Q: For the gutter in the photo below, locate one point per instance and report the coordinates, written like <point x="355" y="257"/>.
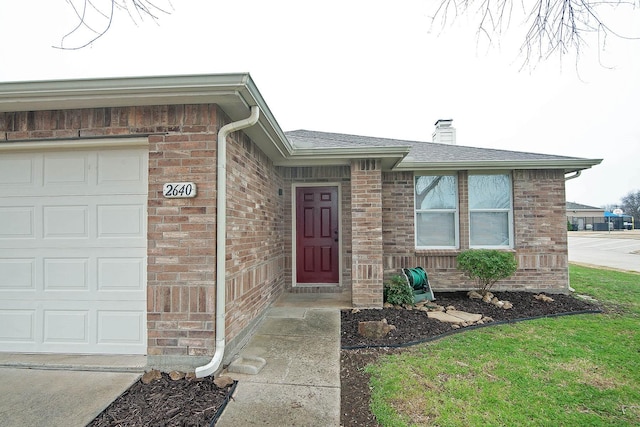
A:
<point x="569" y="165"/>
<point x="221" y="233"/>
<point x="575" y="175"/>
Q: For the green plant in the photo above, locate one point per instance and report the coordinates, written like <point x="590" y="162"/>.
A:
<point x="397" y="291"/>
<point x="487" y="266"/>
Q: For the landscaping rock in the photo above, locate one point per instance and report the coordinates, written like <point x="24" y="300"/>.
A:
<point x="498" y="303"/>
<point x="176" y="375"/>
<point x="151" y="376"/>
<point x="375" y="329"/>
<point x="543" y="298"/>
<point x="474" y="295"/>
<point x="466" y="317"/>
<point x="223" y="381"/>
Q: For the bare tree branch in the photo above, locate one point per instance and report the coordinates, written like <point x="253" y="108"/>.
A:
<point x="97" y="16"/>
<point x="554" y="26"/>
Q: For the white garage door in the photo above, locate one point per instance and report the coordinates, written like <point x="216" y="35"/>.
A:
<point x="73" y="251"/>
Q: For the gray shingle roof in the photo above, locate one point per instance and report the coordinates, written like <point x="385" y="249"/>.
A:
<point x="427" y="152"/>
<point x="430" y="155"/>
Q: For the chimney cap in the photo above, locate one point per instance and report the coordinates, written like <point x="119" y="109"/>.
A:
<point x="443" y="122"/>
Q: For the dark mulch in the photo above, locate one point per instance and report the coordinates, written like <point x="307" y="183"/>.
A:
<point x="414" y="326"/>
<point x="165" y="402"/>
<point x="194" y="402"/>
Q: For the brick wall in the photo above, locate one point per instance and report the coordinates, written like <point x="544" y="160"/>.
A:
<point x="541" y="230"/>
<point x="182" y="232"/>
<point x="255" y="229"/>
<point x="366" y="205"/>
<point x="539" y="233"/>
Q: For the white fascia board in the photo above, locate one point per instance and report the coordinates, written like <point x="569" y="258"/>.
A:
<point x="390" y="156"/>
<point x="234" y="93"/>
<point x="568" y="165"/>
<point x="112" y="92"/>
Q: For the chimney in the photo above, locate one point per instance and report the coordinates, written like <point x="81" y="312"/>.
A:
<point x="444" y="132"/>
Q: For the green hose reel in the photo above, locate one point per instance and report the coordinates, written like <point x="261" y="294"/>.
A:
<point x="419" y="282"/>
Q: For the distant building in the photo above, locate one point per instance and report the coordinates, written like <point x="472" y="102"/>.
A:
<point x="584" y="217"/>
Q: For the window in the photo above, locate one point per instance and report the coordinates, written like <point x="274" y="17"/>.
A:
<point x="436" y="207"/>
<point x="490" y="211"/>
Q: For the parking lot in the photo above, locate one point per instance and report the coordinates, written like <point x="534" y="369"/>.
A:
<point x="618" y="249"/>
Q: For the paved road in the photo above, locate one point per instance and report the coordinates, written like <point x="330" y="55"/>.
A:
<point x="617" y="249"/>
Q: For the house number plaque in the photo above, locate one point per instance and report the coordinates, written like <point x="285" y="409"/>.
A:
<point x="179" y="190"/>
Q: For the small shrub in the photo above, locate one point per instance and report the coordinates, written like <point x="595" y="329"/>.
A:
<point x="487" y="266"/>
<point x="397" y="291"/>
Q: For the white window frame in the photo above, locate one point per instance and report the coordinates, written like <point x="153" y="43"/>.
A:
<point x="509" y="210"/>
<point x="455" y="211"/>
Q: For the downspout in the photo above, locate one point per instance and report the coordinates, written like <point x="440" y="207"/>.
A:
<point x="221" y="238"/>
<point x="577" y="174"/>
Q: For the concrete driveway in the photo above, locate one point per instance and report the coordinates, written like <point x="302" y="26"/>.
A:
<point x="618" y="249"/>
<point x="62" y="390"/>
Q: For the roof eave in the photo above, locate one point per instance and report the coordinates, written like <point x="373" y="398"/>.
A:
<point x="390" y="156"/>
<point x="568" y="165"/>
<point x="235" y="94"/>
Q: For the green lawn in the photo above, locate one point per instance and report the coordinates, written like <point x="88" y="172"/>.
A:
<point x="579" y="370"/>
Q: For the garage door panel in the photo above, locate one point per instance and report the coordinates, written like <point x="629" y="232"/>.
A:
<point x="120" y="326"/>
<point x="73" y="251"/>
<point x="121" y="220"/>
<point x="17" y="326"/>
<point x="66" y="326"/>
<point x="66" y="274"/>
<point x="17" y="222"/>
<point x="65" y="222"/>
<point x="73" y="273"/>
<point x="66" y="168"/>
<point x="116" y="274"/>
<point x="17" y="274"/>
<point x="17" y="171"/>
<point x="121" y="168"/>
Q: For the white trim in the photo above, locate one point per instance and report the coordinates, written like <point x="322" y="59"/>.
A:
<point x="569" y="165"/>
<point x="456" y="212"/>
<point x="75" y="144"/>
<point x="509" y="211"/>
<point x="294" y="273"/>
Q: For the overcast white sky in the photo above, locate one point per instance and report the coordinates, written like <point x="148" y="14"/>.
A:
<point x="374" y="68"/>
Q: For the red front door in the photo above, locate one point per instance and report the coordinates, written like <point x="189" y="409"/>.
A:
<point x="317" y="235"/>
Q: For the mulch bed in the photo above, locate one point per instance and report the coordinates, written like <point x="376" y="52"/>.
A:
<point x="164" y="402"/>
<point x="195" y="402"/>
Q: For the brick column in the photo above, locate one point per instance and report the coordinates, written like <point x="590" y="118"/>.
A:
<point x="366" y="222"/>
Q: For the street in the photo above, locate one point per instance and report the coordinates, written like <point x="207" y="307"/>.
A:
<point x="618" y="249"/>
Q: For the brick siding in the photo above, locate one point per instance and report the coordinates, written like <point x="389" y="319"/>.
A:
<point x="182" y="232"/>
<point x="539" y="233"/>
<point x="367" y="232"/>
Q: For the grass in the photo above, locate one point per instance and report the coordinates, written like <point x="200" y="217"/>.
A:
<point x="579" y="370"/>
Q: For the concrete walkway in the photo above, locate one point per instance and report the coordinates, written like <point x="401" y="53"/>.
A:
<point x="300" y="383"/>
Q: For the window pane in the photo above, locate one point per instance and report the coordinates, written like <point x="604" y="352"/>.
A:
<point x="436" y="192"/>
<point x="489" y="229"/>
<point x="489" y="192"/>
<point x="436" y="229"/>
